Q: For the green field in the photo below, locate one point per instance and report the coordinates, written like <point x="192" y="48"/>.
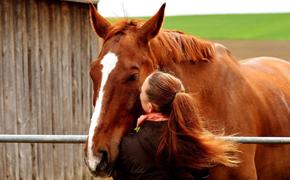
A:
<point x="239" y="27"/>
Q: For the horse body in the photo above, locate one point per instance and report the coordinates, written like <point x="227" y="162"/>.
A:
<point x="248" y="98"/>
<point x="254" y="102"/>
<point x="270" y="79"/>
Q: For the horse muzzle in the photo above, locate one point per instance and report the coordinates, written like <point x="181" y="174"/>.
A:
<point x="100" y="167"/>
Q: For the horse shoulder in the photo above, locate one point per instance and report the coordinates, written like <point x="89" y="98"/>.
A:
<point x="270" y="79"/>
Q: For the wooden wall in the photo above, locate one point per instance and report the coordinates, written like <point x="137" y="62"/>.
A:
<point x="45" y="51"/>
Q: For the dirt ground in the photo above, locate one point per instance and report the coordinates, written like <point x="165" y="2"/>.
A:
<point x="242" y="49"/>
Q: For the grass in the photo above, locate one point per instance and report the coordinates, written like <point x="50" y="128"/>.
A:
<point x="233" y="27"/>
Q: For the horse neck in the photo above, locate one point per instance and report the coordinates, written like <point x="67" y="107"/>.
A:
<point x="204" y="74"/>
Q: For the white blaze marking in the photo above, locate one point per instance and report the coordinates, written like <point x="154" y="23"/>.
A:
<point x="109" y="62"/>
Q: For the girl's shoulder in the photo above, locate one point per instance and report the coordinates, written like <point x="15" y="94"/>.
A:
<point x="145" y="141"/>
<point x="137" y="155"/>
<point x="152" y="128"/>
<point x="148" y="131"/>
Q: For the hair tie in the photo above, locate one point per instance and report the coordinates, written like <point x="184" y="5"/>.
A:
<point x="180" y="91"/>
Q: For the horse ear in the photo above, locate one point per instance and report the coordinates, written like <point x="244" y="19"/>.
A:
<point x="151" y="27"/>
<point x="98" y="22"/>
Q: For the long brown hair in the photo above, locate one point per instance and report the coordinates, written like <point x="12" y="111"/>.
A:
<point x="186" y="143"/>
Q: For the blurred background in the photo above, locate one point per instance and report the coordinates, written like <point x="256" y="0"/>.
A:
<point x="247" y="27"/>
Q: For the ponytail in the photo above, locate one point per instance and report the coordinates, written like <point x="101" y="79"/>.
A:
<point x="186" y="142"/>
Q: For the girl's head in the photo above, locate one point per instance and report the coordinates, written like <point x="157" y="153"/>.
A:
<point x="158" y="92"/>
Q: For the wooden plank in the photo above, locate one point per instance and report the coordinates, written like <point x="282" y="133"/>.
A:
<point x="45" y="127"/>
<point x="34" y="82"/>
<point x="76" y="89"/>
<point x="10" y="109"/>
<point x="2" y="78"/>
<point x="27" y="171"/>
<point x="85" y="85"/>
<point x="57" y="123"/>
<point x="40" y="147"/>
<point x="25" y="128"/>
<point x="66" y="84"/>
<point x="22" y="101"/>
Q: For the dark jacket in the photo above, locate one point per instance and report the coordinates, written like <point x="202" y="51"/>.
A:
<point x="137" y="158"/>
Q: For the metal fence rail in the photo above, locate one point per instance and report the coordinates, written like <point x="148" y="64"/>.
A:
<point x="73" y="139"/>
<point x="259" y="140"/>
<point x="45" y="138"/>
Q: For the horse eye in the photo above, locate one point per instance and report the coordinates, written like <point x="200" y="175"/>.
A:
<point x="132" y="77"/>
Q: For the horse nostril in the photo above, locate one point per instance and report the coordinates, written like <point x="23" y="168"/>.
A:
<point x="104" y="160"/>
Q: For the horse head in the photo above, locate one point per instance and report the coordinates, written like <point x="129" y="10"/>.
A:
<point x="117" y="74"/>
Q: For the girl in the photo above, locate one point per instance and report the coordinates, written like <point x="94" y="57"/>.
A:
<point x="170" y="141"/>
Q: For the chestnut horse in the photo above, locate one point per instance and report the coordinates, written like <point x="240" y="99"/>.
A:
<point x="250" y="97"/>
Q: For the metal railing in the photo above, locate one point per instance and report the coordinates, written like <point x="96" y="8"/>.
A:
<point x="76" y="139"/>
<point x="44" y="138"/>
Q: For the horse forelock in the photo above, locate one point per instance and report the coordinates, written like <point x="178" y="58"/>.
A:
<point x="122" y="26"/>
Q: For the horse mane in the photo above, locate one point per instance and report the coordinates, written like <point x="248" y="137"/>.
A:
<point x="169" y="44"/>
<point x="183" y="47"/>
